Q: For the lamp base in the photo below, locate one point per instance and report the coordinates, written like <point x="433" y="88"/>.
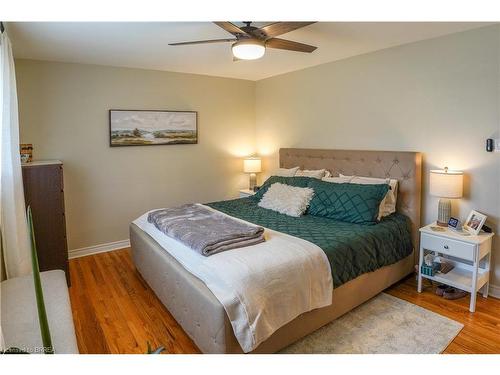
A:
<point x="253" y="181"/>
<point x="444" y="212"/>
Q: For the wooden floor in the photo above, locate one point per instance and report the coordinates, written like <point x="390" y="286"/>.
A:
<point x="115" y="311"/>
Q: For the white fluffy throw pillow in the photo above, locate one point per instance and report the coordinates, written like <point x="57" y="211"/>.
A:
<point x="286" y="199"/>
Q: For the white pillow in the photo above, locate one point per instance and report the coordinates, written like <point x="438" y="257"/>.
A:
<point x="316" y="173"/>
<point x="337" y="180"/>
<point x="284" y="172"/>
<point x="286" y="199"/>
<point x="388" y="204"/>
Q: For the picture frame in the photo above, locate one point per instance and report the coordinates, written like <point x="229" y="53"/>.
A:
<point x="474" y="222"/>
<point x="152" y="127"/>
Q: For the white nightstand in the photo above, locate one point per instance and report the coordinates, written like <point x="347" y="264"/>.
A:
<point x="471" y="256"/>
<point x="246" y="193"/>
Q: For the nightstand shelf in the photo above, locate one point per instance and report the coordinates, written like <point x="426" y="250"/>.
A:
<point x="460" y="278"/>
<point x="470" y="256"/>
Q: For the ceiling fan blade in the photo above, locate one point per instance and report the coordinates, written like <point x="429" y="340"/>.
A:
<point x="278" y="28"/>
<point x="202" y="42"/>
<point x="289" y="45"/>
<point x="231" y="28"/>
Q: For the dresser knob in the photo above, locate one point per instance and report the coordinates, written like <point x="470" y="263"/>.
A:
<point x="446" y="247"/>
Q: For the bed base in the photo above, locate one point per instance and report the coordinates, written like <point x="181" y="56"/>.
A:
<point x="204" y="319"/>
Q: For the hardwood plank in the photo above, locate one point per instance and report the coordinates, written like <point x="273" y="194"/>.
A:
<point x="115" y="311"/>
<point x="90" y="337"/>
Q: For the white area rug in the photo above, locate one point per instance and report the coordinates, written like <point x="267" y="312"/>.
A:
<point x="382" y="325"/>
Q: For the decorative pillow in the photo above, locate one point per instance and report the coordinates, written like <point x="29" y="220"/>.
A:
<point x="388" y="204"/>
<point x="284" y="172"/>
<point x="317" y="173"/>
<point x="286" y="199"/>
<point x="349" y="179"/>
<point x="337" y="180"/>
<point x="353" y="203"/>
<point x="292" y="181"/>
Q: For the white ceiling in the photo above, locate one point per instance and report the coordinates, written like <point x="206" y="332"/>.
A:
<point x="145" y="45"/>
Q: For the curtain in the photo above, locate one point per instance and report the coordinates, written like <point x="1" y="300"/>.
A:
<point x="14" y="229"/>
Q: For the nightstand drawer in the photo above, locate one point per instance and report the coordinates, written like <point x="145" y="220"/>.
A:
<point x="449" y="247"/>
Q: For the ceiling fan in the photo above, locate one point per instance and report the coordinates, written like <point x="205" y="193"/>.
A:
<point x="250" y="42"/>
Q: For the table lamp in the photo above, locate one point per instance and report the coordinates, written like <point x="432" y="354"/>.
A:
<point x="445" y="184"/>
<point x="252" y="165"/>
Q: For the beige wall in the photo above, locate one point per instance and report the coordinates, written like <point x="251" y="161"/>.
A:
<point x="440" y="97"/>
<point x="64" y="113"/>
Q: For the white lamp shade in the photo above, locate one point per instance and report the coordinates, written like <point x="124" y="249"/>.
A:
<point x="250" y="49"/>
<point x="252" y="165"/>
<point x="446" y="183"/>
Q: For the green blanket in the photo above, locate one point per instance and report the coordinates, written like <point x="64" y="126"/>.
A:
<point x="352" y="249"/>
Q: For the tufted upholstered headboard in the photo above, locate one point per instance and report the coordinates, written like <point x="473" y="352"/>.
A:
<point x="404" y="166"/>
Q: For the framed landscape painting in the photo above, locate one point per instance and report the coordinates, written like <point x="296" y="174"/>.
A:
<point x="144" y="127"/>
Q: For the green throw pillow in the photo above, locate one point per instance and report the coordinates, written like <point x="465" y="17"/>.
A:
<point x="292" y="181"/>
<point x="352" y="203"/>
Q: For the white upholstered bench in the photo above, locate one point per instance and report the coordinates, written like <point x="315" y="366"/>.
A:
<point x="19" y="313"/>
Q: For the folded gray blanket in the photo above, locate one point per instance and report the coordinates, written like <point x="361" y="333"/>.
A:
<point x="206" y="231"/>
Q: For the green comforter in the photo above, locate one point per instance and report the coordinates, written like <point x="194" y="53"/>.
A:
<point x="352" y="249"/>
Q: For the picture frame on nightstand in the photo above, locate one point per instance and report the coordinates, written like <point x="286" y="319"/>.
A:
<point x="454" y="224"/>
<point x="475" y="222"/>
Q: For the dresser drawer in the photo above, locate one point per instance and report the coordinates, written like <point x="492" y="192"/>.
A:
<point x="449" y="247"/>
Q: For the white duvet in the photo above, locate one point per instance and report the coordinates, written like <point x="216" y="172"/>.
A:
<point x="262" y="287"/>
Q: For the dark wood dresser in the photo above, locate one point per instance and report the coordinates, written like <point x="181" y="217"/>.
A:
<point x="44" y="192"/>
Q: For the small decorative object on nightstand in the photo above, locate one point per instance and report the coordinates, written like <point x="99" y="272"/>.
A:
<point x="455" y="224"/>
<point x="246" y="193"/>
<point x="467" y="258"/>
<point x="252" y="165"/>
<point x="445" y="184"/>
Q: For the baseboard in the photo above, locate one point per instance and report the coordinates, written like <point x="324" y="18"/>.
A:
<point x="84" y="251"/>
<point x="494" y="291"/>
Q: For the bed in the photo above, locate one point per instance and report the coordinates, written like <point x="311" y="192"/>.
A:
<point x="203" y="317"/>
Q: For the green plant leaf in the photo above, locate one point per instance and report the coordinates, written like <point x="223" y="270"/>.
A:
<point x="40" y="304"/>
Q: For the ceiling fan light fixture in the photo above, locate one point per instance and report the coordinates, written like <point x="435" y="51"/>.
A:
<point x="251" y="49"/>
